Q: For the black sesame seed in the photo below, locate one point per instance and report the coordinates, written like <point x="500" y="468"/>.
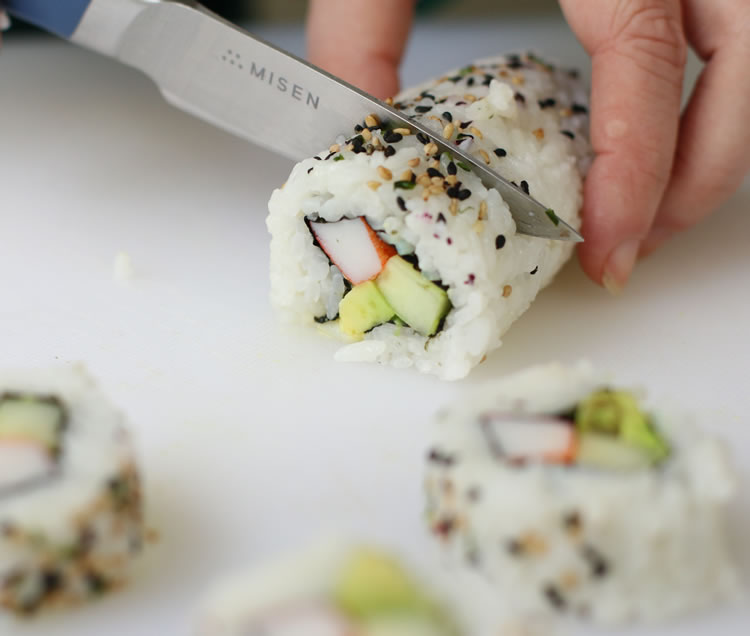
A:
<point x="499" y="241"/>
<point x="318" y="158"/>
<point x="423" y="109"/>
<point x="519" y="98"/>
<point x="514" y="547"/>
<point x="309" y="170"/>
<point x="572" y="521"/>
<point x="465" y="125"/>
<point x="434" y="172"/>
<point x="401" y="203"/>
<point x="470" y="81"/>
<point x="389" y="151"/>
<point x="464" y="194"/>
<point x="392" y="137"/>
<point x="51" y="581"/>
<point x="554" y="596"/>
<point x="567" y="133"/>
<point x="358" y="128"/>
<point x="329" y="155"/>
<point x="461" y="103"/>
<point x="547" y="103"/>
<point x="423" y="138"/>
<point x="455" y="79"/>
<point x="487" y="80"/>
<point x="453" y="191"/>
<point x="447" y="116"/>
<point x="427" y="95"/>
<point x="579" y="109"/>
<point x="597" y="563"/>
<point x="96" y="583"/>
<point x="525" y="186"/>
<point x="600" y="569"/>
<point x="452" y="169"/>
<point x="534" y="271"/>
<point x="514" y="62"/>
<point x="438" y="457"/>
<point x="441" y="218"/>
<point x="500" y="152"/>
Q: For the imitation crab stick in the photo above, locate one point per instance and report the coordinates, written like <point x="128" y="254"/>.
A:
<point x="522" y="438"/>
<point x="354" y="247"/>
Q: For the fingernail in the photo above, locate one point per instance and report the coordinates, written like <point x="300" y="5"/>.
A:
<point x="620" y="265"/>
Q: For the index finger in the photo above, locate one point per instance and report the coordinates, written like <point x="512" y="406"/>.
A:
<point x="638" y="56"/>
<point x="360" y="41"/>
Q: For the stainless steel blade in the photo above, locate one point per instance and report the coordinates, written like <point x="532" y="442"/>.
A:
<point x="220" y="73"/>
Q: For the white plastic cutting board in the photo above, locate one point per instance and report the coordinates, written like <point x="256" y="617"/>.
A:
<point x="251" y="438"/>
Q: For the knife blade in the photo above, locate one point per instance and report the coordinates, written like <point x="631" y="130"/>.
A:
<point x="214" y="70"/>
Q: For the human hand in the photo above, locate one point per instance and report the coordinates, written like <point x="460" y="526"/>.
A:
<point x="4" y="23"/>
<point x="655" y="173"/>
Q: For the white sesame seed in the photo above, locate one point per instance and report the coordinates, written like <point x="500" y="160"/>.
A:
<point x="384" y="173"/>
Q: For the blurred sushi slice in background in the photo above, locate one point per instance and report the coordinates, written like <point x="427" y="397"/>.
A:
<point x="573" y="497"/>
<point x="327" y="590"/>
<point x="70" y="499"/>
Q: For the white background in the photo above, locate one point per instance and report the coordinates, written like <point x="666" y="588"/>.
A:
<point x="251" y="439"/>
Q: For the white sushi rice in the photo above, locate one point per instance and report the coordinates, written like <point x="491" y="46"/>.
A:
<point x="70" y="535"/>
<point x="522" y="110"/>
<point x="610" y="546"/>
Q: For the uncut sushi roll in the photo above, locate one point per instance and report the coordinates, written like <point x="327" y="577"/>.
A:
<point x="401" y="249"/>
<point x="70" y="504"/>
<point x="572" y="497"/>
<point x="329" y="590"/>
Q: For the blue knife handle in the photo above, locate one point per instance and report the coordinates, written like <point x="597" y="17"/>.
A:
<point x="60" y="17"/>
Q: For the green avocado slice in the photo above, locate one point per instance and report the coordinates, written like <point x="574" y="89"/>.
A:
<point x="375" y="590"/>
<point x="30" y="418"/>
<point x="420" y="303"/>
<point x="363" y="308"/>
<point x="618" y="415"/>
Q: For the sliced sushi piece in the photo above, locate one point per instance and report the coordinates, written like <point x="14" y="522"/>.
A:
<point x="522" y="117"/>
<point x="70" y="504"/>
<point x="333" y="591"/>
<point x="621" y="532"/>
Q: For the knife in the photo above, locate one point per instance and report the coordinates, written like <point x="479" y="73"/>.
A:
<point x="214" y="70"/>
